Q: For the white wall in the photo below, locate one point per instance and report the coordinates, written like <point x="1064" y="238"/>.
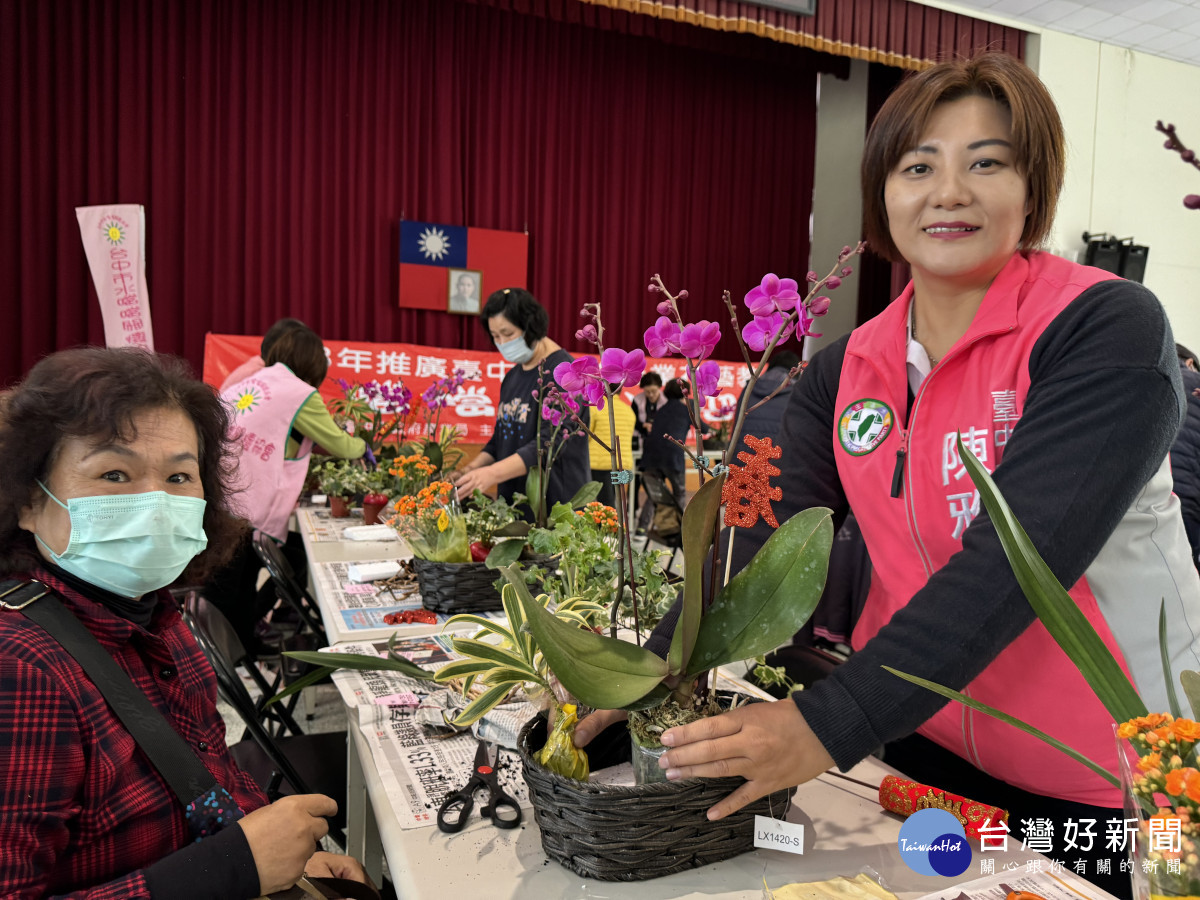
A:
<point x="837" y="203"/>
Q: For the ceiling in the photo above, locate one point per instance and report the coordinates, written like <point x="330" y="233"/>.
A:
<point x="1167" y="28"/>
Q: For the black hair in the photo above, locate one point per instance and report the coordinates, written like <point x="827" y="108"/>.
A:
<point x="522" y="309"/>
<point x="650" y="378"/>
<point x="673" y="390"/>
<point x="275" y="332"/>
<point x="788" y="359"/>
<point x="1185" y="354"/>
<point x="301" y="350"/>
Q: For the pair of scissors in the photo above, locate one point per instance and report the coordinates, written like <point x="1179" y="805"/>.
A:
<point x="456" y="808"/>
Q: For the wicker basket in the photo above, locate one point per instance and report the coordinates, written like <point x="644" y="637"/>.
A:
<point x="620" y="833"/>
<point x="457" y="587"/>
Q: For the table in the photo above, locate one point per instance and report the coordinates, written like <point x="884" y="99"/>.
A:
<point x="846" y="832"/>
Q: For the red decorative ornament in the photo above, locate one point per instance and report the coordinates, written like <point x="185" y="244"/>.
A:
<point x="747" y="492"/>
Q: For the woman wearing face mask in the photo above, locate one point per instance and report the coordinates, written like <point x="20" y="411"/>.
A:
<point x="518" y="325"/>
<point x="1062" y="380"/>
<point x="115" y="485"/>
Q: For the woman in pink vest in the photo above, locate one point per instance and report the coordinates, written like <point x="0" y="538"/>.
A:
<point x="1062" y="380"/>
<point x="278" y="415"/>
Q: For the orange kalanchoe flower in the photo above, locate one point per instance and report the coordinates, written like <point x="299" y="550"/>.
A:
<point x="747" y="491"/>
<point x="1149" y="761"/>
<point x="1186" y="730"/>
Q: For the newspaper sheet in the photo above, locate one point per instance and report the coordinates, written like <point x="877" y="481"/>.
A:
<point x="1063" y="885"/>
<point x="417" y="765"/>
<point x="319" y="525"/>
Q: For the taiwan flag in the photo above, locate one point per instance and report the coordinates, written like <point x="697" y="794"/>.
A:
<point x="454" y="268"/>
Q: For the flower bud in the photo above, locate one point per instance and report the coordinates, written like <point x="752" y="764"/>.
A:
<point x="1188" y="155"/>
<point x="833" y="282"/>
<point x="683" y="295"/>
<point x="665" y="309"/>
<point x="819" y="306"/>
<point x="1192" y="201"/>
<point x="847" y="271"/>
<point x="812" y="277"/>
<point x="653" y="288"/>
<point x="846" y="251"/>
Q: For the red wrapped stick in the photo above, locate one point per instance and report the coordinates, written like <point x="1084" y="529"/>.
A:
<point x="905" y="797"/>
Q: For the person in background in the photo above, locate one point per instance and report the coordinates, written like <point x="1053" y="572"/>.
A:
<point x="1061" y="381"/>
<point x="519" y="326"/>
<point x="254" y="363"/>
<point x="278" y="416"/>
<point x="649" y="401"/>
<point x="764" y="421"/>
<point x="662" y="450"/>
<point x="1185" y="452"/>
<point x="115" y="485"/>
<point x="601" y="459"/>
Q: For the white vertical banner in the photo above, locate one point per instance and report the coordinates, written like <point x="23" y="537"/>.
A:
<point x="113" y="238"/>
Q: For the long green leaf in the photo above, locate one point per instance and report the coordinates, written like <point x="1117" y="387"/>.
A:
<point x="1165" y="650"/>
<point x="361" y="662"/>
<point x="482" y="705"/>
<point x="505" y="552"/>
<point x="1016" y="723"/>
<point x="498" y="655"/>
<point x="516" y="621"/>
<point x="601" y="672"/>
<point x="460" y="668"/>
<point x="1058" y="612"/>
<point x="509" y="675"/>
<point x="768" y="601"/>
<point x="301" y="683"/>
<point x="489" y="626"/>
<point x="585" y="495"/>
<point x="1190" y="681"/>
<point x="699" y="525"/>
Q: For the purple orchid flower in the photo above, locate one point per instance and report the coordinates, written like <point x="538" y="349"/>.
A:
<point x="621" y="368"/>
<point x="698" y="340"/>
<point x="773" y="294"/>
<point x="762" y="329"/>
<point x="593" y="393"/>
<point x="708" y="374"/>
<point x="572" y="376"/>
<point x="662" y="338"/>
<point x="804" y="325"/>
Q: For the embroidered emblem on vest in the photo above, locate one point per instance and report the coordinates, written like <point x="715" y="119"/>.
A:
<point x="864" y="425"/>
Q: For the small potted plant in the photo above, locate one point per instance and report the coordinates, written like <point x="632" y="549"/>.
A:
<point x="376" y="485"/>
<point x="341" y="480"/>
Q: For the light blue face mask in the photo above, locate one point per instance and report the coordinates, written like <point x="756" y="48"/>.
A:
<point x="516" y="351"/>
<point x="130" y="544"/>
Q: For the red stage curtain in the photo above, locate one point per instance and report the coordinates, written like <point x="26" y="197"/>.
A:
<point x="276" y="144"/>
<point x="893" y="32"/>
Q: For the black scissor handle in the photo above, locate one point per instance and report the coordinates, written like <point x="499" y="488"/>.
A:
<point x="504" y="810"/>
<point x="455" y="811"/>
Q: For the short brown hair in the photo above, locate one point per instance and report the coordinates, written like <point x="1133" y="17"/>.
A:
<point x="95" y="393"/>
<point x="301" y="350"/>
<point x="1039" y="147"/>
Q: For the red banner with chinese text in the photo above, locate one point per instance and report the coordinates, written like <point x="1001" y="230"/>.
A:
<point x="473" y="409"/>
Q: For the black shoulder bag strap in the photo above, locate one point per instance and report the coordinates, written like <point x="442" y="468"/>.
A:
<point x="169" y="753"/>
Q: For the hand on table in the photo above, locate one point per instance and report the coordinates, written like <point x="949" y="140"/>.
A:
<point x="768" y="744"/>
<point x="283" y="837"/>
<point x="334" y="865"/>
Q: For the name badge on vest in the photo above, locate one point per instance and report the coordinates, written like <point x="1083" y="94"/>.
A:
<point x="864" y="425"/>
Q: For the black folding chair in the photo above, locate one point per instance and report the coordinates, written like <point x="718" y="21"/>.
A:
<point x="280" y="764"/>
<point x="289" y="588"/>
<point x="666" y="527"/>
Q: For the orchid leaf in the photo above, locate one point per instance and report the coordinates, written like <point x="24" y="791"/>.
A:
<point x="484" y="625"/>
<point x="461" y="668"/>
<point x="1053" y="605"/>
<point x="699" y="525"/>
<point x="601" y="672"/>
<point x="767" y="602"/>
<point x="505" y="552"/>
<point x="1164" y="649"/>
<point x="1190" y="681"/>
<point x="533" y="493"/>
<point x="1016" y="723"/>
<point x="585" y="495"/>
<point x="301" y="683"/>
<point x="362" y="662"/>
<point x="482" y="705"/>
<point x="497" y="655"/>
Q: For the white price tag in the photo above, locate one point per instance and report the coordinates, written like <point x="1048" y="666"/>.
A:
<point x="773" y="834"/>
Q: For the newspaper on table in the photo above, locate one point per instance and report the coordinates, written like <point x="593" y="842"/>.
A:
<point x="417" y="765"/>
<point x="321" y="526"/>
<point x="1064" y="885"/>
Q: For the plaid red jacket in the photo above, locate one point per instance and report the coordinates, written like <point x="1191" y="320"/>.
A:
<point x="82" y="811"/>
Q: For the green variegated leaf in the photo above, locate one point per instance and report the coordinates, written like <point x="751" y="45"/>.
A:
<point x="699" y="525"/>
<point x="301" y="683"/>
<point x="767" y="602"/>
<point x="1062" y="617"/>
<point x="498" y="655"/>
<point x="1005" y="717"/>
<point x="516" y="621"/>
<point x="482" y="705"/>
<point x="461" y="668"/>
<point x="601" y="672"/>
<point x="505" y="674"/>
<point x="362" y="662"/>
<point x="485" y="625"/>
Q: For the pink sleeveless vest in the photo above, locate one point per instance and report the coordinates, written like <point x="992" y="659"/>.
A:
<point x="263" y="408"/>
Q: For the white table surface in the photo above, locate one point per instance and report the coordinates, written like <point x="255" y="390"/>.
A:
<point x="846" y="832"/>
